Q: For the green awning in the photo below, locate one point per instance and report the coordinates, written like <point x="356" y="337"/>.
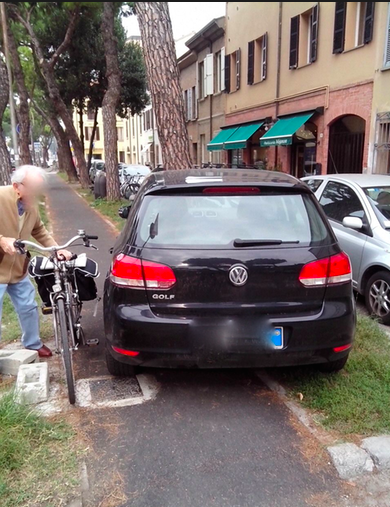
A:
<point x="218" y="141"/>
<point x="240" y="137"/>
<point x="283" y="130"/>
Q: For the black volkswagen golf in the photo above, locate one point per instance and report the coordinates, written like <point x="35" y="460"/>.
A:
<point x="227" y="268"/>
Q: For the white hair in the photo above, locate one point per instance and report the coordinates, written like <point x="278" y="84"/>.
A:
<point x="21" y="172"/>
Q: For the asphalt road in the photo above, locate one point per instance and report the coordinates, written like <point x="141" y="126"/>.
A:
<point x="210" y="438"/>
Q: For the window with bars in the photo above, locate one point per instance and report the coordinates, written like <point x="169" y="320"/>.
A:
<point x="382" y="144"/>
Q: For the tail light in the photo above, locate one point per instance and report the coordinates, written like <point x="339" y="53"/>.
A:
<point x="328" y="271"/>
<point x="131" y="353"/>
<point x="136" y="273"/>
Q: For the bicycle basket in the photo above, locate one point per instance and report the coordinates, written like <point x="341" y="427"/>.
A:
<point x="83" y="278"/>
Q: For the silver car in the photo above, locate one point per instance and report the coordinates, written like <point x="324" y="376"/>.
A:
<point x="358" y="208"/>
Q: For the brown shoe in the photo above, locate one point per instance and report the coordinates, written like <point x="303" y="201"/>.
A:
<point x="44" y="351"/>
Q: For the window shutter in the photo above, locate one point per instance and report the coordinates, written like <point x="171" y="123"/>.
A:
<point x="339" y="27"/>
<point x="386" y="62"/>
<point x="227" y="73"/>
<point x="209" y="73"/>
<point x="294" y="42"/>
<point x="314" y="33"/>
<point x="238" y="68"/>
<point x="185" y="103"/>
<point x="204" y="78"/>
<point x="222" y="69"/>
<point x="264" y="51"/>
<point x="189" y="107"/>
<point x="251" y="62"/>
<point x="369" y="22"/>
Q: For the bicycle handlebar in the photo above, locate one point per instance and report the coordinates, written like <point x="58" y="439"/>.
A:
<point x="21" y="244"/>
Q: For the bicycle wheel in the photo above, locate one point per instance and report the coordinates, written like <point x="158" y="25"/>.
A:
<point x="66" y="351"/>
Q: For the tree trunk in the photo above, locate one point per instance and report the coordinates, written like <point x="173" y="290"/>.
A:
<point x="47" y="71"/>
<point x="164" y="83"/>
<point x="81" y="123"/>
<point x="92" y="139"/>
<point x="5" y="161"/>
<point x="23" y="110"/>
<point x="110" y="101"/>
<point x="65" y="160"/>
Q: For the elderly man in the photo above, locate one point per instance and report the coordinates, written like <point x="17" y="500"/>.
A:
<point x="19" y="219"/>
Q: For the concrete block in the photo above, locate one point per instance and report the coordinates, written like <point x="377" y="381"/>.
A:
<point x="350" y="460"/>
<point x="32" y="383"/>
<point x="10" y="360"/>
<point x="379" y="450"/>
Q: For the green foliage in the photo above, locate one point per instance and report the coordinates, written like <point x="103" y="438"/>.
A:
<point x="80" y="71"/>
<point x="133" y="94"/>
<point x="37" y="463"/>
<point x="6" y="122"/>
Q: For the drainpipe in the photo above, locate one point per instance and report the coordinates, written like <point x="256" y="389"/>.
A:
<point x="279" y="56"/>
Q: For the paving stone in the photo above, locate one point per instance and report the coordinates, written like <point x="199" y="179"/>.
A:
<point x="32" y="383"/>
<point x="350" y="460"/>
<point x="379" y="450"/>
<point x="10" y="360"/>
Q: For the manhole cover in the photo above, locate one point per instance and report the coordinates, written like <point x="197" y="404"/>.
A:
<point x="115" y="392"/>
<point x="112" y="389"/>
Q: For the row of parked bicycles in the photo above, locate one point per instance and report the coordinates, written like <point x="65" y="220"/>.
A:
<point x="130" y="178"/>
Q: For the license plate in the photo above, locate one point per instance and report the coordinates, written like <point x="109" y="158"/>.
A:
<point x="277" y="338"/>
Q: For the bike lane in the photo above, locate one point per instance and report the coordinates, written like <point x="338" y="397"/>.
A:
<point x="209" y="438"/>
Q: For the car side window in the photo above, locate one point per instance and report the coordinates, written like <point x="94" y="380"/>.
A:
<point x="314" y="185"/>
<point x="340" y="201"/>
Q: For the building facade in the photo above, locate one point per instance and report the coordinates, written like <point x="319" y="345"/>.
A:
<point x="307" y="86"/>
<point x="137" y="137"/>
<point x="202" y="81"/>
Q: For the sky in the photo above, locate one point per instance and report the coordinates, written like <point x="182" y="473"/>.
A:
<point x="187" y="18"/>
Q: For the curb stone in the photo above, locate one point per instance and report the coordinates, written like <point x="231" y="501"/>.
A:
<point x="350" y="460"/>
<point x="379" y="450"/>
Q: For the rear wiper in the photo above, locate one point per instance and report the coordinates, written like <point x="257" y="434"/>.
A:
<point x="240" y="243"/>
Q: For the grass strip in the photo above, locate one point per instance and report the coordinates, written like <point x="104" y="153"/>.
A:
<point x="355" y="400"/>
<point x="38" y="464"/>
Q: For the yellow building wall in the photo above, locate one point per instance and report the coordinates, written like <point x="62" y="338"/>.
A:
<point x="247" y="21"/>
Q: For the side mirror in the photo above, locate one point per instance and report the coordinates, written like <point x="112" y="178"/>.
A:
<point x="354" y="223"/>
<point x="124" y="212"/>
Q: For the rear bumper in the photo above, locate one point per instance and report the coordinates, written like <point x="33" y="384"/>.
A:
<point x="234" y="341"/>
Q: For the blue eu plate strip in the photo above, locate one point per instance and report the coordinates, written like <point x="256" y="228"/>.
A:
<point x="277" y="338"/>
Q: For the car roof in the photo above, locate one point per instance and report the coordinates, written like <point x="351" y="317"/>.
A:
<point x="363" y="180"/>
<point x="219" y="177"/>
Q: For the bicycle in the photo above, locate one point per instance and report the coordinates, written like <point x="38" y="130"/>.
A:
<point x="65" y="302"/>
<point x="131" y="185"/>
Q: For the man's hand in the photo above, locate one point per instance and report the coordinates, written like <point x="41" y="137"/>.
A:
<point x="65" y="253"/>
<point x="7" y="244"/>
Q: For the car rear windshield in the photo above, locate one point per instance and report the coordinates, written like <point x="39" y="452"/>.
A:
<point x="218" y="221"/>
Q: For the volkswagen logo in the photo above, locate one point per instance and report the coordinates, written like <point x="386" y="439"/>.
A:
<point x="238" y="275"/>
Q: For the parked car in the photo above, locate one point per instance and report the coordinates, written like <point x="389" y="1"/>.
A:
<point x="227" y="268"/>
<point x="358" y="208"/>
<point x="96" y="165"/>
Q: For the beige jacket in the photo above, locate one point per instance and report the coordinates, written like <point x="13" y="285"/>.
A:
<point x="13" y="267"/>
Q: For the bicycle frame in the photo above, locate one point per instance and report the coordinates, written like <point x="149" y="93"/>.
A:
<point x="63" y="289"/>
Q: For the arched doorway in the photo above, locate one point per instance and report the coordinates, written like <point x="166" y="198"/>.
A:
<point x="346" y="145"/>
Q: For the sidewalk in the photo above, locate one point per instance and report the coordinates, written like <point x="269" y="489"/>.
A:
<point x="68" y="213"/>
<point x="209" y="439"/>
